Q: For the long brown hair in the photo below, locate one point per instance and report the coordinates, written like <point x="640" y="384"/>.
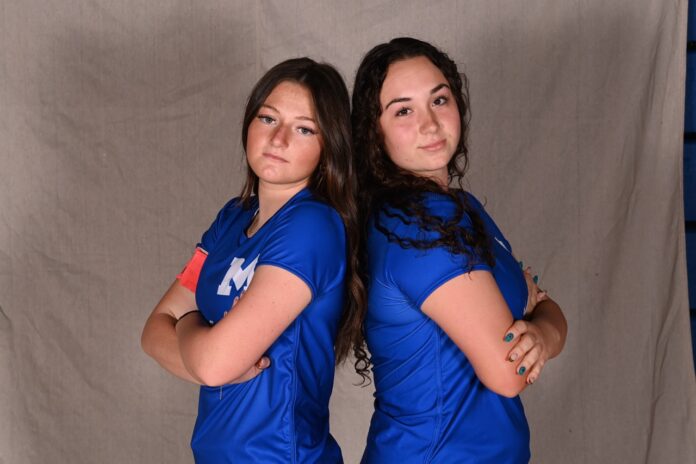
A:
<point x="387" y="188"/>
<point x="333" y="181"/>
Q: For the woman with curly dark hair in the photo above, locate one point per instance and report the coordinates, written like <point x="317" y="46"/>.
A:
<point x="455" y="327"/>
<point x="271" y="298"/>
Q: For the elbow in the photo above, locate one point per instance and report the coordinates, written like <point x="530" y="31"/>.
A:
<point x="564" y="332"/>
<point x="146" y="342"/>
<point x="508" y="390"/>
<point x="505" y="383"/>
<point x="211" y="373"/>
<point x="153" y="339"/>
<point x="211" y="377"/>
<point x="207" y="377"/>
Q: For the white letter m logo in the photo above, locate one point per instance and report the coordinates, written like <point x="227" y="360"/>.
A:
<point x="240" y="276"/>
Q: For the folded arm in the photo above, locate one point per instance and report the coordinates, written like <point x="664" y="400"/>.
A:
<point x="537" y="338"/>
<point x="226" y="351"/>
<point x="159" y="338"/>
<point x="160" y="341"/>
<point x="474" y="314"/>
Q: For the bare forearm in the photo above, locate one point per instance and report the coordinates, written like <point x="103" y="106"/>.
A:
<point x="199" y="348"/>
<point x="159" y="341"/>
<point x="547" y="315"/>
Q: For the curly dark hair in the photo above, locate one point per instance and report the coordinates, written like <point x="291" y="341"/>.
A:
<point x="333" y="181"/>
<point x="395" y="192"/>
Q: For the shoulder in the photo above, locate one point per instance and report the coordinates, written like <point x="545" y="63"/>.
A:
<point x="478" y="208"/>
<point x="232" y="208"/>
<point x="313" y="213"/>
<point x="472" y="200"/>
<point x="230" y="212"/>
<point x="439" y="208"/>
<point x="309" y="224"/>
<point x="224" y="221"/>
<point x="307" y="238"/>
<point x="475" y="204"/>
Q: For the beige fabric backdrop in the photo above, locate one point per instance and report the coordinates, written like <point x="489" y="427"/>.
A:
<point x="119" y="141"/>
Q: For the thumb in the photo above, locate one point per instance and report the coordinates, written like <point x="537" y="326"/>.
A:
<point x="263" y="363"/>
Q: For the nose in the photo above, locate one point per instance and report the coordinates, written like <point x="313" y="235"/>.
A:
<point x="279" y="138"/>
<point x="429" y="122"/>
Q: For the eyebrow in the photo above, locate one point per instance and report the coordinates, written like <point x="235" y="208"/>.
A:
<point x="435" y="89"/>
<point x="303" y="118"/>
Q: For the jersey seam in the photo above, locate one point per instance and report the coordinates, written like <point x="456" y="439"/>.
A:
<point x="293" y="432"/>
<point x="438" y="423"/>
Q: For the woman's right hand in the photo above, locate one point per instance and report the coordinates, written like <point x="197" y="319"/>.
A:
<point x="534" y="294"/>
<point x="531" y="349"/>
<point x="528" y="352"/>
<point x="261" y="365"/>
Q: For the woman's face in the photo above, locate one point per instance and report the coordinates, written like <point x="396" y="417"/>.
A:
<point x="420" y="122"/>
<point x="283" y="141"/>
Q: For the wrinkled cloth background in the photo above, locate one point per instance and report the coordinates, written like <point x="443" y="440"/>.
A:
<point x="120" y="140"/>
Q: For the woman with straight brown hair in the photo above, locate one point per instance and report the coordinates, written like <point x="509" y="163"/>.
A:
<point x="271" y="297"/>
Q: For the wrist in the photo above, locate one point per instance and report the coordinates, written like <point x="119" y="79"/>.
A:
<point x="550" y="334"/>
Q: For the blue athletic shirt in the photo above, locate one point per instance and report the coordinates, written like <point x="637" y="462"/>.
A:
<point x="282" y="415"/>
<point x="429" y="405"/>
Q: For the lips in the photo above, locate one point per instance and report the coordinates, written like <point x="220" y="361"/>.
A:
<point x="273" y="157"/>
<point x="434" y="146"/>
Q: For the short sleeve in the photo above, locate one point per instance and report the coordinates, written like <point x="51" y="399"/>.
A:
<point x="309" y="241"/>
<point x="419" y="272"/>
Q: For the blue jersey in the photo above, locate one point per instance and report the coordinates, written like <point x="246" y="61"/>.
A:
<point x="280" y="416"/>
<point x="429" y="405"/>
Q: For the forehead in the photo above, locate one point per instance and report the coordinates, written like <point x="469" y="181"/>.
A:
<point x="292" y="97"/>
<point x="410" y="77"/>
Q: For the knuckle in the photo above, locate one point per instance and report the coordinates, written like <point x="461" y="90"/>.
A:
<point x="530" y="343"/>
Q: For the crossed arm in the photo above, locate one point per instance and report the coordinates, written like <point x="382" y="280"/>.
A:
<point x="469" y="308"/>
<point x="474" y="314"/>
<point x="232" y="350"/>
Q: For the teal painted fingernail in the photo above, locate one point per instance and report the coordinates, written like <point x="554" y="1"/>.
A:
<point x="509" y="337"/>
<point x="521" y="264"/>
<point x="521" y="370"/>
<point x="536" y="279"/>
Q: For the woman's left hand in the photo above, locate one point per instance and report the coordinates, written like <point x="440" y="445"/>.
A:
<point x="530" y="351"/>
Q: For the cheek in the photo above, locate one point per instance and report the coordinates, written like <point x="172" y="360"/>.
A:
<point x="311" y="155"/>
<point x="398" y="140"/>
<point x="252" y="137"/>
<point x="454" y="123"/>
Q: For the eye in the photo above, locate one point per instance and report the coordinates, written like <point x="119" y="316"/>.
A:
<point x="306" y="131"/>
<point x="441" y="100"/>
<point x="403" y="111"/>
<point x="265" y="119"/>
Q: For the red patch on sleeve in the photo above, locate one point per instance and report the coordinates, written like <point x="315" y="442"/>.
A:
<point x="188" y="277"/>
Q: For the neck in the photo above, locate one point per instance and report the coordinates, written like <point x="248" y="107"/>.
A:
<point x="442" y="178"/>
<point x="273" y="197"/>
